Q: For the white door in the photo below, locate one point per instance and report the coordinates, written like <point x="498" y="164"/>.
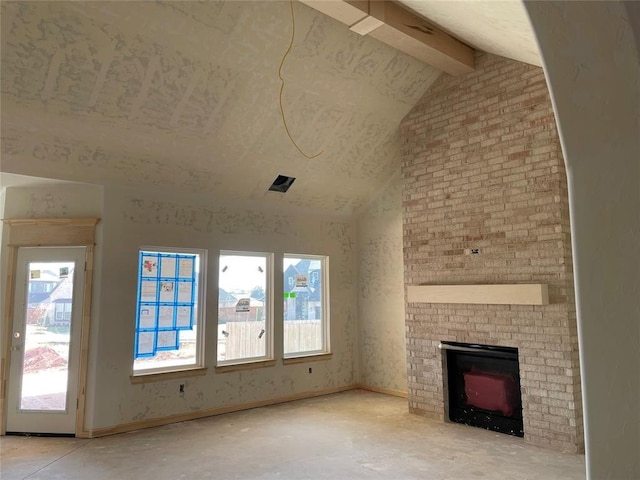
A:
<point x="42" y="391"/>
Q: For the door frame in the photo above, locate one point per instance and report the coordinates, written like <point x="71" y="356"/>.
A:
<point x="58" y="232"/>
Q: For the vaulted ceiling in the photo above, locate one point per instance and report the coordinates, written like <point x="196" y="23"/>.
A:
<point x="500" y="27"/>
<point x="185" y="95"/>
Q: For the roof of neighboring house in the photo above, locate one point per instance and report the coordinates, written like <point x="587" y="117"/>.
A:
<point x="225" y="297"/>
<point x="304" y="266"/>
<point x="63" y="291"/>
<point x="38" y="297"/>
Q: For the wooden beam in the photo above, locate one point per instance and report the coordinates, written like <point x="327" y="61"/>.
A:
<point x="420" y="38"/>
<point x="367" y="25"/>
<point x="401" y="29"/>
<point x="347" y="12"/>
<point x="517" y="294"/>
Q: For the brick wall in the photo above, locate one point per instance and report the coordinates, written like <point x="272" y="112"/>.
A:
<point x="482" y="168"/>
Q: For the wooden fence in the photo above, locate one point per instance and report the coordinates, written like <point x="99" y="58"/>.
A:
<point x="241" y="339"/>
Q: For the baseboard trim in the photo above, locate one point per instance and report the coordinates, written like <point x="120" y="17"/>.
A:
<point x="210" y="412"/>
<point x="386" y="391"/>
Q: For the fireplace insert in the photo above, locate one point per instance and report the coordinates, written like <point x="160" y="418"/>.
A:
<point x="484" y="386"/>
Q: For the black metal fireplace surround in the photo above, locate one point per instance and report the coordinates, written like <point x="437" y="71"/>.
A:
<point x="484" y="386"/>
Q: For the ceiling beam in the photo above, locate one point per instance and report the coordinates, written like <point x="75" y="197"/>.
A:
<point x="399" y="28"/>
<point x="347" y="12"/>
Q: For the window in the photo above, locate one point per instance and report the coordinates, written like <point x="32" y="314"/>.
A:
<point x="36" y="286"/>
<point x="306" y="319"/>
<point x="169" y="326"/>
<point x="244" y="308"/>
<point x="63" y="311"/>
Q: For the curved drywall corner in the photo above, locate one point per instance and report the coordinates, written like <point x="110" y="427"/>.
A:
<point x="633" y="12"/>
<point x="591" y="63"/>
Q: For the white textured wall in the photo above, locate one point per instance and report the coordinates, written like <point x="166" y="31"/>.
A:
<point x="381" y="291"/>
<point x="53" y="200"/>
<point x="134" y="218"/>
<point x="593" y="69"/>
<point x="131" y="218"/>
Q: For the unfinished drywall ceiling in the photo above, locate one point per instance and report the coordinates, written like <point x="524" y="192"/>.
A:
<point x="185" y="96"/>
<point x="500" y="27"/>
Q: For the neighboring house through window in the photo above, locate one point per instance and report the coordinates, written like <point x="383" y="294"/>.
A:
<point x="306" y="319"/>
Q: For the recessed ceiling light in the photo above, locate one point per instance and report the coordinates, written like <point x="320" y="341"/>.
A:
<point x="281" y="183"/>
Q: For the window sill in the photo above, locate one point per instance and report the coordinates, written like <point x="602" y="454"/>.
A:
<point x="318" y="357"/>
<point x="245" y="366"/>
<point x="161" y="376"/>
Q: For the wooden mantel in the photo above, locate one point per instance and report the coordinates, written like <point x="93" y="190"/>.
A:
<point x="514" y="294"/>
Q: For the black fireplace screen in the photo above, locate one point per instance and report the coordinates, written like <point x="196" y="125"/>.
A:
<point x="484" y="387"/>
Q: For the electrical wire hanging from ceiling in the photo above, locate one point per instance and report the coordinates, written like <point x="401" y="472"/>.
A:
<point x="284" y="57"/>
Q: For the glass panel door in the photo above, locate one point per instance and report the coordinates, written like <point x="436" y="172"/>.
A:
<point x="45" y="345"/>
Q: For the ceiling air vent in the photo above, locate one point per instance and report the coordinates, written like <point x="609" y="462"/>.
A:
<point x="281" y="184"/>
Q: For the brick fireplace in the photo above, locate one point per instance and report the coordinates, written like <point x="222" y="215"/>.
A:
<point x="485" y="202"/>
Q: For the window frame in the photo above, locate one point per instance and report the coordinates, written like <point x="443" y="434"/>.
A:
<point x="268" y="359"/>
<point x="324" y="352"/>
<point x="199" y="320"/>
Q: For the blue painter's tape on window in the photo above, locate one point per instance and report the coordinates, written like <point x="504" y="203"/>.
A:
<point x="166" y="301"/>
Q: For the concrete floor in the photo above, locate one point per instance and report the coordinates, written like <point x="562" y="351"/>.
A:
<point x="349" y="435"/>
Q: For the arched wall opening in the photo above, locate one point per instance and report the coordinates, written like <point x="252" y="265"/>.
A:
<point x="591" y="62"/>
